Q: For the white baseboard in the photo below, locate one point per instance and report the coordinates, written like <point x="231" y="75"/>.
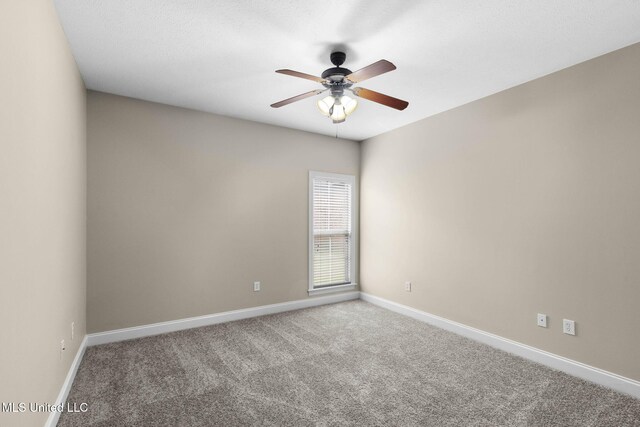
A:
<point x="212" y="319"/>
<point x="66" y="385"/>
<point x="571" y="367"/>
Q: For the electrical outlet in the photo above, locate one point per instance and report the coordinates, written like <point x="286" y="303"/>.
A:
<point x="542" y="320"/>
<point x="407" y="286"/>
<point x="256" y="286"/>
<point x="73" y="330"/>
<point x="568" y="327"/>
<point x="62" y="348"/>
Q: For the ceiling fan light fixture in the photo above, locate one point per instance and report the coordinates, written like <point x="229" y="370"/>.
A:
<point x="350" y="104"/>
<point x="337" y="107"/>
<point x="325" y="104"/>
<point x="338" y="114"/>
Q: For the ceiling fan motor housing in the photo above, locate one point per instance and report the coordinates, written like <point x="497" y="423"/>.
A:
<point x="337" y="73"/>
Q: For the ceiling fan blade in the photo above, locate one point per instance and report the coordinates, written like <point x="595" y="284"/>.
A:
<point x="297" y="98"/>
<point x="380" y="98"/>
<point x="301" y="75"/>
<point x="375" y="69"/>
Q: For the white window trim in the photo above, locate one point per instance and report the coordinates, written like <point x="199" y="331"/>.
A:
<point x="351" y="179"/>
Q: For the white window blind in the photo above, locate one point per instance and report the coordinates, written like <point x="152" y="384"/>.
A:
<point x="332" y="231"/>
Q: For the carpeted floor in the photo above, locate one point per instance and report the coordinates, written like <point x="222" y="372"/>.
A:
<point x="344" y="364"/>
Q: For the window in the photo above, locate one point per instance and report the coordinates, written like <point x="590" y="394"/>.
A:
<point x="331" y="232"/>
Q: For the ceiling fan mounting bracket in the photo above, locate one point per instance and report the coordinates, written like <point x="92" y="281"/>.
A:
<point x="338" y="58"/>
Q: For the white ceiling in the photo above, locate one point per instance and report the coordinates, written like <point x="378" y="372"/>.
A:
<point x="220" y="56"/>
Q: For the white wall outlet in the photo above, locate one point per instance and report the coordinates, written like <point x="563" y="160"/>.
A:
<point x="407" y="286"/>
<point x="568" y="327"/>
<point x="73" y="330"/>
<point x="542" y="320"/>
<point x="256" y="286"/>
<point x="62" y="348"/>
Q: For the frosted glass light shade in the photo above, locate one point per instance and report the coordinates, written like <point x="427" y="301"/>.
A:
<point x="350" y="104"/>
<point x="325" y="105"/>
<point x="338" y="115"/>
<point x="337" y="108"/>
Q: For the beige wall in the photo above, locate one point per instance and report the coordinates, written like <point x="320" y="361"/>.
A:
<point x="187" y="209"/>
<point x="523" y="202"/>
<point x="42" y="206"/>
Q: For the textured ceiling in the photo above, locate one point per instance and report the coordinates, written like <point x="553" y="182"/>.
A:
<point x="220" y="56"/>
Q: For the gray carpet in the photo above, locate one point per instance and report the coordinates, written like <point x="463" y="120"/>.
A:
<point x="344" y="364"/>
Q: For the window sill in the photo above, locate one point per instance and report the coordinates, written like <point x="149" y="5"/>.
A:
<point x="332" y="289"/>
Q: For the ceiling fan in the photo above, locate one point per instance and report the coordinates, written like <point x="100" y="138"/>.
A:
<point x="338" y="106"/>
